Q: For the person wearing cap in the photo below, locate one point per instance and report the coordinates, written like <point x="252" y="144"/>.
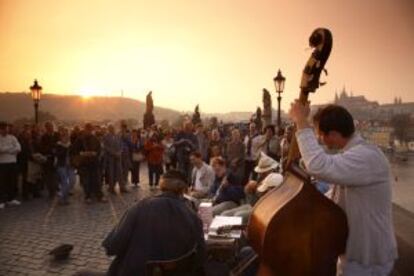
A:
<point x="255" y="189"/>
<point x="9" y="148"/>
<point x="161" y="227"/>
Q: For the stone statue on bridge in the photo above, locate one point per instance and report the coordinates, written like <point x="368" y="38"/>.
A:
<point x="267" y="107"/>
<point x="196" y="116"/>
<point x="149" y="118"/>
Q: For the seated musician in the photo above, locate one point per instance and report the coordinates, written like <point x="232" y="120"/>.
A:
<point x="202" y="176"/>
<point x="161" y="227"/>
<point x="255" y="189"/>
<point x="362" y="179"/>
<point x="227" y="191"/>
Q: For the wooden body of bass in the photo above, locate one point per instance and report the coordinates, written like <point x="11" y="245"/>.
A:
<point x="296" y="230"/>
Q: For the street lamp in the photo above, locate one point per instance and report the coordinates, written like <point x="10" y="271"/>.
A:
<point x="36" y="90"/>
<point x="279" y="81"/>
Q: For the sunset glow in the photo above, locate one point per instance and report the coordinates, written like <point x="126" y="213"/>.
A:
<point x="87" y="92"/>
<point x="203" y="52"/>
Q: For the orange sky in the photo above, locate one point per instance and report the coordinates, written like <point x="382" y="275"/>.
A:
<point x="218" y="53"/>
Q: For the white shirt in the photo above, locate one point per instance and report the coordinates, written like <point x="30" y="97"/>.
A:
<point x="362" y="189"/>
<point x="257" y="144"/>
<point x="9" y="148"/>
<point x="203" y="178"/>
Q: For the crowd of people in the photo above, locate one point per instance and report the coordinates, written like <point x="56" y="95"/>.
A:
<point x="45" y="160"/>
<point x="231" y="166"/>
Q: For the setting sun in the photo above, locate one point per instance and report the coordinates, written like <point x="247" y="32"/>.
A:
<point x="88" y="92"/>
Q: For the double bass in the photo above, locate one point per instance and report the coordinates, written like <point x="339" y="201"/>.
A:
<point x="294" y="229"/>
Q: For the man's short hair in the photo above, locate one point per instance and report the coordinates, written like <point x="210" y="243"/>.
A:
<point x="196" y="154"/>
<point x="3" y="125"/>
<point x="174" y="181"/>
<point x="88" y="126"/>
<point x="334" y="118"/>
<point x="218" y="161"/>
<point x="272" y="129"/>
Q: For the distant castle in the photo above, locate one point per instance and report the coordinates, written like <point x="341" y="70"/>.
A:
<point x="363" y="109"/>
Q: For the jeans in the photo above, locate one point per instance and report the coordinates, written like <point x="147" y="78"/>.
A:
<point x="223" y="206"/>
<point x="125" y="167"/>
<point x="135" y="166"/>
<point x="50" y="181"/>
<point x="8" y="182"/>
<point x="247" y="253"/>
<point x="154" y="173"/>
<point x="66" y="180"/>
<point x="113" y="171"/>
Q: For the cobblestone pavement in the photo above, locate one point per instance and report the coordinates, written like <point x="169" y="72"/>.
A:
<point x="28" y="232"/>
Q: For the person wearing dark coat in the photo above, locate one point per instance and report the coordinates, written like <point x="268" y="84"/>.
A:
<point x="227" y="191"/>
<point x="185" y="143"/>
<point x="88" y="147"/>
<point x="23" y="158"/>
<point x="157" y="228"/>
<point x="48" y="149"/>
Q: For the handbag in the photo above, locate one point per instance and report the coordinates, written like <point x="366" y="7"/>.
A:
<point x="137" y="157"/>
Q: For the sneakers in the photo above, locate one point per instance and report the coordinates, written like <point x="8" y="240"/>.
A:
<point x="14" y="202"/>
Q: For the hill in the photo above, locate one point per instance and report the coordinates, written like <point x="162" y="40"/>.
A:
<point x="15" y="106"/>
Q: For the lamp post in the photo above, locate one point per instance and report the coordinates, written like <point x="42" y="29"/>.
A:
<point x="279" y="81"/>
<point x="36" y="90"/>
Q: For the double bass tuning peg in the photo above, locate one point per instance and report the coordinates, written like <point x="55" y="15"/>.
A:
<point x="322" y="83"/>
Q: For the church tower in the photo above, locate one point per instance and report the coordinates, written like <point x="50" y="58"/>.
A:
<point x="343" y="93"/>
<point x="336" y="97"/>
